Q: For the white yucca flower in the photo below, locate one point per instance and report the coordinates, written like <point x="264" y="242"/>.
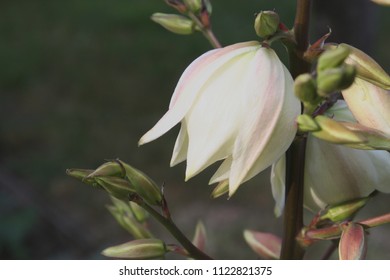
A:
<point x="235" y="104"/>
<point x="335" y="173"/>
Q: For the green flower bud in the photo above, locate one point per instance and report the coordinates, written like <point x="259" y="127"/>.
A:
<point x="138" y="212"/>
<point x="335" y="79"/>
<point x="206" y="4"/>
<point x="193" y="5"/>
<point x="353" y="243"/>
<point x="117" y="187"/>
<point x="221" y="189"/>
<point x="175" y="23"/>
<point x="266" y="23"/>
<point x="306" y="123"/>
<point x="82" y="175"/>
<point x="145" y="187"/>
<point x="376" y="140"/>
<point x="130" y="208"/>
<point x="332" y="58"/>
<point x="344" y="211"/>
<point x="136" y="229"/>
<point x="111" y="168"/>
<point x="305" y="88"/>
<point x="367" y="68"/>
<point x="140" y="249"/>
<point x="334" y="132"/>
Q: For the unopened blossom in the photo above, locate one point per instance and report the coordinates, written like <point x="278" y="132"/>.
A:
<point x="369" y="104"/>
<point x="334" y="173"/>
<point x="235" y="104"/>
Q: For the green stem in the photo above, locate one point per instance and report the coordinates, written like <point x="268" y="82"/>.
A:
<point x="192" y="250"/>
<point x="295" y="156"/>
<point x="206" y="31"/>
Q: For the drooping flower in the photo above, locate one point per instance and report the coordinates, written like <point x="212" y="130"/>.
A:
<point x="235" y="104"/>
<point x="369" y="104"/>
<point x="335" y="173"/>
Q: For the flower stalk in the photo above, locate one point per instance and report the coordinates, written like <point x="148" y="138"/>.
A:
<point x="295" y="160"/>
<point x="193" y="251"/>
<point x="206" y="31"/>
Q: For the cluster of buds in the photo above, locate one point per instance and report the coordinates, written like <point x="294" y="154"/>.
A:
<point x="131" y="217"/>
<point x="335" y="223"/>
<point x="134" y="196"/>
<point x="121" y="181"/>
<point x="332" y="75"/>
<point x="194" y="16"/>
<point x="364" y="86"/>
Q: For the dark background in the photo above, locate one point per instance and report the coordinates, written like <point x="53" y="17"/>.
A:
<point x="82" y="80"/>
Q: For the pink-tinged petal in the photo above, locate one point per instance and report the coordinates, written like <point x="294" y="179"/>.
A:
<point x="181" y="146"/>
<point x="266" y="245"/>
<point x="353" y="243"/>
<point x="369" y="104"/>
<point x="200" y="236"/>
<point x="224" y="98"/>
<point x="270" y="125"/>
<point x="189" y="85"/>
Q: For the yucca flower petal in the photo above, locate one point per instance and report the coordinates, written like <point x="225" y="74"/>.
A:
<point x="369" y="104"/>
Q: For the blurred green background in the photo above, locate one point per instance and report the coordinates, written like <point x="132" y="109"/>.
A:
<point x="82" y="80"/>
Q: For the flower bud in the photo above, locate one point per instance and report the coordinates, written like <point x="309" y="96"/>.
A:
<point x="367" y="68"/>
<point x="206" y="4"/>
<point x="266" y="23"/>
<point x="353" y="243"/>
<point x="144" y="186"/>
<point x="266" y="245"/>
<point x="139" y="213"/>
<point x="375" y="139"/>
<point x="136" y="229"/>
<point x="117" y="187"/>
<point x="345" y="210"/>
<point x="82" y="175"/>
<point x="221" y="189"/>
<point x="200" y="236"/>
<point x="335" y="79"/>
<point x="193" y="5"/>
<point x="130" y="208"/>
<point x="111" y="168"/>
<point x="305" y="88"/>
<point x="140" y="249"/>
<point x="175" y="23"/>
<point x="334" y="132"/>
<point x="306" y="123"/>
<point x="332" y="58"/>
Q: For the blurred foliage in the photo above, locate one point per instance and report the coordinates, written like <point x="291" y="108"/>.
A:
<point x="81" y="81"/>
